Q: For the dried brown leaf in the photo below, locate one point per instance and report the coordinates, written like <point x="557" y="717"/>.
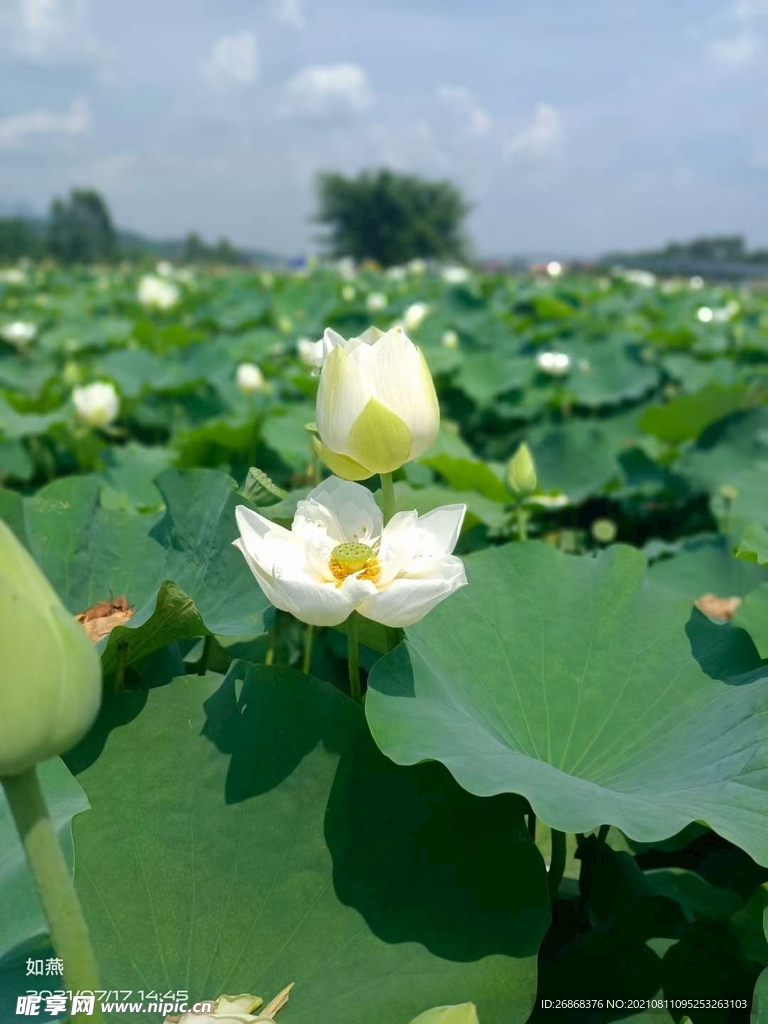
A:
<point x="715" y="607"/>
<point x="101" y="618"/>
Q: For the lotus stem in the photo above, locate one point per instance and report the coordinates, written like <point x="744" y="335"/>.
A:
<point x="602" y="834"/>
<point x="556" y="863"/>
<point x="306" y="660"/>
<point x="202" y="665"/>
<point x="69" y="932"/>
<point x="522" y="522"/>
<point x="353" y="658"/>
<point x="387" y="496"/>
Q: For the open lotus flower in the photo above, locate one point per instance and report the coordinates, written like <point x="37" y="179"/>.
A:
<point x="338" y="557"/>
<point x="19" y="333"/>
<point x="157" y="293"/>
<point x="96" y="404"/>
<point x="376" y="405"/>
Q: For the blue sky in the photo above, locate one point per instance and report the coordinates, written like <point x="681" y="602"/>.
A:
<point x="573" y="127"/>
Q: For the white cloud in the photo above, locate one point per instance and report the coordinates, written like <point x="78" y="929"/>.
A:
<point x="475" y="119"/>
<point x="543" y="136"/>
<point x="49" y="31"/>
<point x="233" y="62"/>
<point x="327" y="91"/>
<point x="18" y="130"/>
<point x="290" y="12"/>
<point x="746" y="10"/>
<point x="733" y="52"/>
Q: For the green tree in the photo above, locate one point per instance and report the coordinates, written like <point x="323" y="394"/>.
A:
<point x="81" y="229"/>
<point x="391" y="217"/>
<point x="18" y="237"/>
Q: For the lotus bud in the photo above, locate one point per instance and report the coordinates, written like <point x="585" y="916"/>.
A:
<point x="50" y="685"/>
<point x="464" y="1013"/>
<point x="249" y="378"/>
<point x="521" y="472"/>
<point x="97" y="404"/>
<point x="71" y="374"/>
<point x="157" y="293"/>
<point x="376" y="404"/>
<point x="450" y="340"/>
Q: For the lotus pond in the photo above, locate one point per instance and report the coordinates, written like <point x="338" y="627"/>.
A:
<point x="526" y="779"/>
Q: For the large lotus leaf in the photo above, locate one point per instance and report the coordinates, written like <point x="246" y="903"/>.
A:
<point x="267" y="841"/>
<point x="130" y="472"/>
<point x="285" y="433"/>
<point x="581" y="456"/>
<point x="480" y="509"/>
<point x="752" y="616"/>
<point x="606" y="374"/>
<point x="686" y="416"/>
<point x="135" y="370"/>
<point x="89" y="553"/>
<point x="487" y="374"/>
<point x="693" y="374"/>
<point x="705" y="565"/>
<point x="22" y="919"/>
<point x="14" y="424"/>
<point x="579" y="684"/>
<point x="726" y="450"/>
<point x="15" y="461"/>
<point x="469" y="475"/>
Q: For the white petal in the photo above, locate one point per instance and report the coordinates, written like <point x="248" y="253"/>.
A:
<point x="347" y="510"/>
<point x="399" y="546"/>
<point x="321" y="604"/>
<point x="397" y="375"/>
<point x="406" y="601"/>
<point x="267" y="543"/>
<point x="341" y="397"/>
<point x="440" y="529"/>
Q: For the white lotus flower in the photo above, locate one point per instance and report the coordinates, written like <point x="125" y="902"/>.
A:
<point x="13" y="275"/>
<point x="156" y="293"/>
<point x="376" y="405"/>
<point x="696" y="282"/>
<point x="376" y="301"/>
<point x="346" y="268"/>
<point x="249" y="378"/>
<point x="97" y="404"/>
<point x="338" y="557"/>
<point x="455" y="275"/>
<point x="164" y="268"/>
<point x="450" y="340"/>
<point x="348" y="293"/>
<point x="554" y="268"/>
<point x="556" y="364"/>
<point x="414" y="315"/>
<point x="19" y="333"/>
<point x="417" y="265"/>
<point x="642" y="278"/>
<point x="396" y="273"/>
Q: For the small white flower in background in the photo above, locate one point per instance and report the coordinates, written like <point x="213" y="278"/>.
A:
<point x="348" y="293"/>
<point x="556" y="364"/>
<point x="642" y="278"/>
<point x="156" y="293"/>
<point x="726" y="312"/>
<point x="249" y="378"/>
<point x="396" y="273"/>
<point x="705" y="315"/>
<point x="414" y="315"/>
<point x="376" y="301"/>
<point x="450" y="340"/>
<point x="312" y="353"/>
<point x="19" y="333"/>
<point x="554" y="268"/>
<point x="346" y="268"/>
<point x="97" y="404"/>
<point x="376" y="405"/>
<point x="417" y="266"/>
<point x="338" y="557"/>
<point x="455" y="274"/>
<point x="13" y="275"/>
<point x="696" y="282"/>
<point x="164" y="268"/>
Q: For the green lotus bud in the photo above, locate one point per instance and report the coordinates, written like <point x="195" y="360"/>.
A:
<point x="521" y="471"/>
<point x="604" y="531"/>
<point x="464" y="1013"/>
<point x="50" y="683"/>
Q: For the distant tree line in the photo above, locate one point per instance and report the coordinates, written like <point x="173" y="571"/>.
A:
<point x="391" y="217"/>
<point x="709" y="249"/>
<point x="79" y="230"/>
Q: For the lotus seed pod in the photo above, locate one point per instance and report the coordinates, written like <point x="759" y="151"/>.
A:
<point x="604" y="531"/>
<point x="50" y="685"/>
<point x="464" y="1013"/>
<point x="521" y="471"/>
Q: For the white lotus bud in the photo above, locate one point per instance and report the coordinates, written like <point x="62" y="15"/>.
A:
<point x="97" y="404"/>
<point x="249" y="378"/>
